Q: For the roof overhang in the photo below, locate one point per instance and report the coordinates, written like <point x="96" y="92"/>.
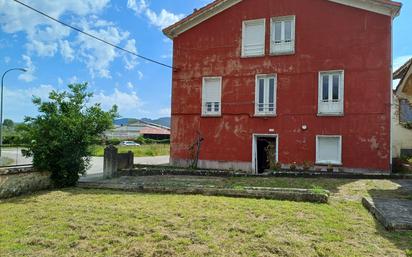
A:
<point x="384" y="7"/>
<point x="402" y="73"/>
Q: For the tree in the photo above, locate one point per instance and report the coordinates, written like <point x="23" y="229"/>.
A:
<point x="7" y="123"/>
<point x="61" y="135"/>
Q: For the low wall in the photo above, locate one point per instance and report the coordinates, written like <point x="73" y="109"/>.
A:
<point x="22" y="180"/>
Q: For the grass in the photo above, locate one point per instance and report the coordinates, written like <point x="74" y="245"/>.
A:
<point x="139" y="151"/>
<point x="76" y="222"/>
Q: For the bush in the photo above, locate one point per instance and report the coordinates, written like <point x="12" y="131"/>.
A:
<point x="148" y="141"/>
<point x="113" y="141"/>
<point x="62" y="135"/>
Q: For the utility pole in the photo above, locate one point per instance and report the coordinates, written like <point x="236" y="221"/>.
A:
<point x="2" y="100"/>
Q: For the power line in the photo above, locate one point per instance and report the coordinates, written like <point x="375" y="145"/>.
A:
<point x="94" y="37"/>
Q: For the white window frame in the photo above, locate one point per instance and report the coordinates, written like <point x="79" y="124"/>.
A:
<point x="244" y="24"/>
<point x="330" y="103"/>
<point x="265" y="95"/>
<point x="327" y="162"/>
<point x="284" y="47"/>
<point x="212" y="113"/>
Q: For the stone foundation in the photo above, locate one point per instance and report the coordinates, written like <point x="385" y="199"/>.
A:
<point x="22" y="180"/>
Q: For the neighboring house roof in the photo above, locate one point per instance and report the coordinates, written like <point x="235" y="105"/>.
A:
<point x="154" y="131"/>
<point x="385" y="7"/>
<point x="404" y="73"/>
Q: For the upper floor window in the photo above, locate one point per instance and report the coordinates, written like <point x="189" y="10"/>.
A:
<point x="211" y="96"/>
<point x="265" y="95"/>
<point x="253" y="38"/>
<point x="331" y="88"/>
<point x="282" y="39"/>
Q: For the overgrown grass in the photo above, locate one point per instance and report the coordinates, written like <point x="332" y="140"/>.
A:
<point x="76" y="222"/>
<point x="139" y="151"/>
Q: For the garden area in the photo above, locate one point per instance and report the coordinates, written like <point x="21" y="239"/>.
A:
<point x="79" y="222"/>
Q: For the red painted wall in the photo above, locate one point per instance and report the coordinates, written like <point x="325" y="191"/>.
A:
<point x="329" y="36"/>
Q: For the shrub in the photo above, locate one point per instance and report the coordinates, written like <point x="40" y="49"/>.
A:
<point x="62" y="134"/>
<point x="113" y="141"/>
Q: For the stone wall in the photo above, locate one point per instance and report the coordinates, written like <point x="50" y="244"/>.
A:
<point x="114" y="161"/>
<point x="22" y="180"/>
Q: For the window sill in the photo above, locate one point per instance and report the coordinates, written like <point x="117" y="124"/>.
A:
<point x="331" y="114"/>
<point x="269" y="115"/>
<point x="282" y="53"/>
<point x="329" y="163"/>
<point x="211" y="115"/>
<point x="252" y="56"/>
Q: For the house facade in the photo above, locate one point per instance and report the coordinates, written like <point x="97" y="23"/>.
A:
<point x="309" y="80"/>
<point x="402" y="112"/>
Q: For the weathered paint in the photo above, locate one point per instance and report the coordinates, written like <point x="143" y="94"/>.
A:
<point x="329" y="36"/>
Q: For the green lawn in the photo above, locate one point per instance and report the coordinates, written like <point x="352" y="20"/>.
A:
<point x="139" y="151"/>
<point x="76" y="222"/>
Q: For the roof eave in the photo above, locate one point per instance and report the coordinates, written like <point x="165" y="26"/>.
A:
<point x="378" y="6"/>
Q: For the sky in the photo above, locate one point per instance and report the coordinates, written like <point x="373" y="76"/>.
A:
<point x="56" y="56"/>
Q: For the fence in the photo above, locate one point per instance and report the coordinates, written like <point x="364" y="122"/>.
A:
<point x="12" y="156"/>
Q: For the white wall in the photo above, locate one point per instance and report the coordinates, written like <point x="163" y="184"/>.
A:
<point x="401" y="137"/>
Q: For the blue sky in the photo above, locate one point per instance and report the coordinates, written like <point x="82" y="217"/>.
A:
<point x="57" y="56"/>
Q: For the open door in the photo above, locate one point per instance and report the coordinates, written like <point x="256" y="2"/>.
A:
<point x="266" y="149"/>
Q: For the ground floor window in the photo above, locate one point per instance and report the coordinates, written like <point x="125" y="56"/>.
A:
<point x="329" y="150"/>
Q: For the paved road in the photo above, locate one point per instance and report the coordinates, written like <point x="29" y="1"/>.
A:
<point x="96" y="162"/>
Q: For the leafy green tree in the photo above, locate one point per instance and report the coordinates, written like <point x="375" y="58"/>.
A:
<point x="7" y="123"/>
<point x="61" y="135"/>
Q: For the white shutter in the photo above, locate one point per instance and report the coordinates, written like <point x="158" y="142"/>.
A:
<point x="253" y="43"/>
<point x="211" y="96"/>
<point x="328" y="150"/>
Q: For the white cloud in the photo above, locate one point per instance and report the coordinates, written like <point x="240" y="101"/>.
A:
<point x="47" y="38"/>
<point x="140" y="74"/>
<point x="163" y="19"/>
<point x="128" y="103"/>
<point x="139" y="7"/>
<point x="18" y="102"/>
<point x="130" y="85"/>
<point x="73" y="80"/>
<point x="160" y="20"/>
<point x="28" y="76"/>
<point x="7" y="59"/>
<point x="401" y="60"/>
<point x="59" y="81"/>
<point x="96" y="55"/>
<point x="165" y="112"/>
<point x="130" y="60"/>
<point x="66" y="50"/>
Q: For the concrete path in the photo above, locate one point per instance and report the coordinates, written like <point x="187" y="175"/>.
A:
<point x="393" y="212"/>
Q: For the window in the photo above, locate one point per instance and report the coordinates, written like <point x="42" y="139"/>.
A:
<point x="329" y="150"/>
<point x="282" y="40"/>
<point x="265" y="95"/>
<point x="253" y="38"/>
<point x="211" y="96"/>
<point x="405" y="111"/>
<point x="331" y="86"/>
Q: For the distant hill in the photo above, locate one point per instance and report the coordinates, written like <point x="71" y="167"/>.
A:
<point x="165" y="121"/>
<point x="124" y="121"/>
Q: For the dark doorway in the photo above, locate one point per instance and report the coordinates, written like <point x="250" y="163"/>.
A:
<point x="263" y="154"/>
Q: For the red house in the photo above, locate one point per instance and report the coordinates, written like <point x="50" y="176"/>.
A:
<point x="309" y="78"/>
